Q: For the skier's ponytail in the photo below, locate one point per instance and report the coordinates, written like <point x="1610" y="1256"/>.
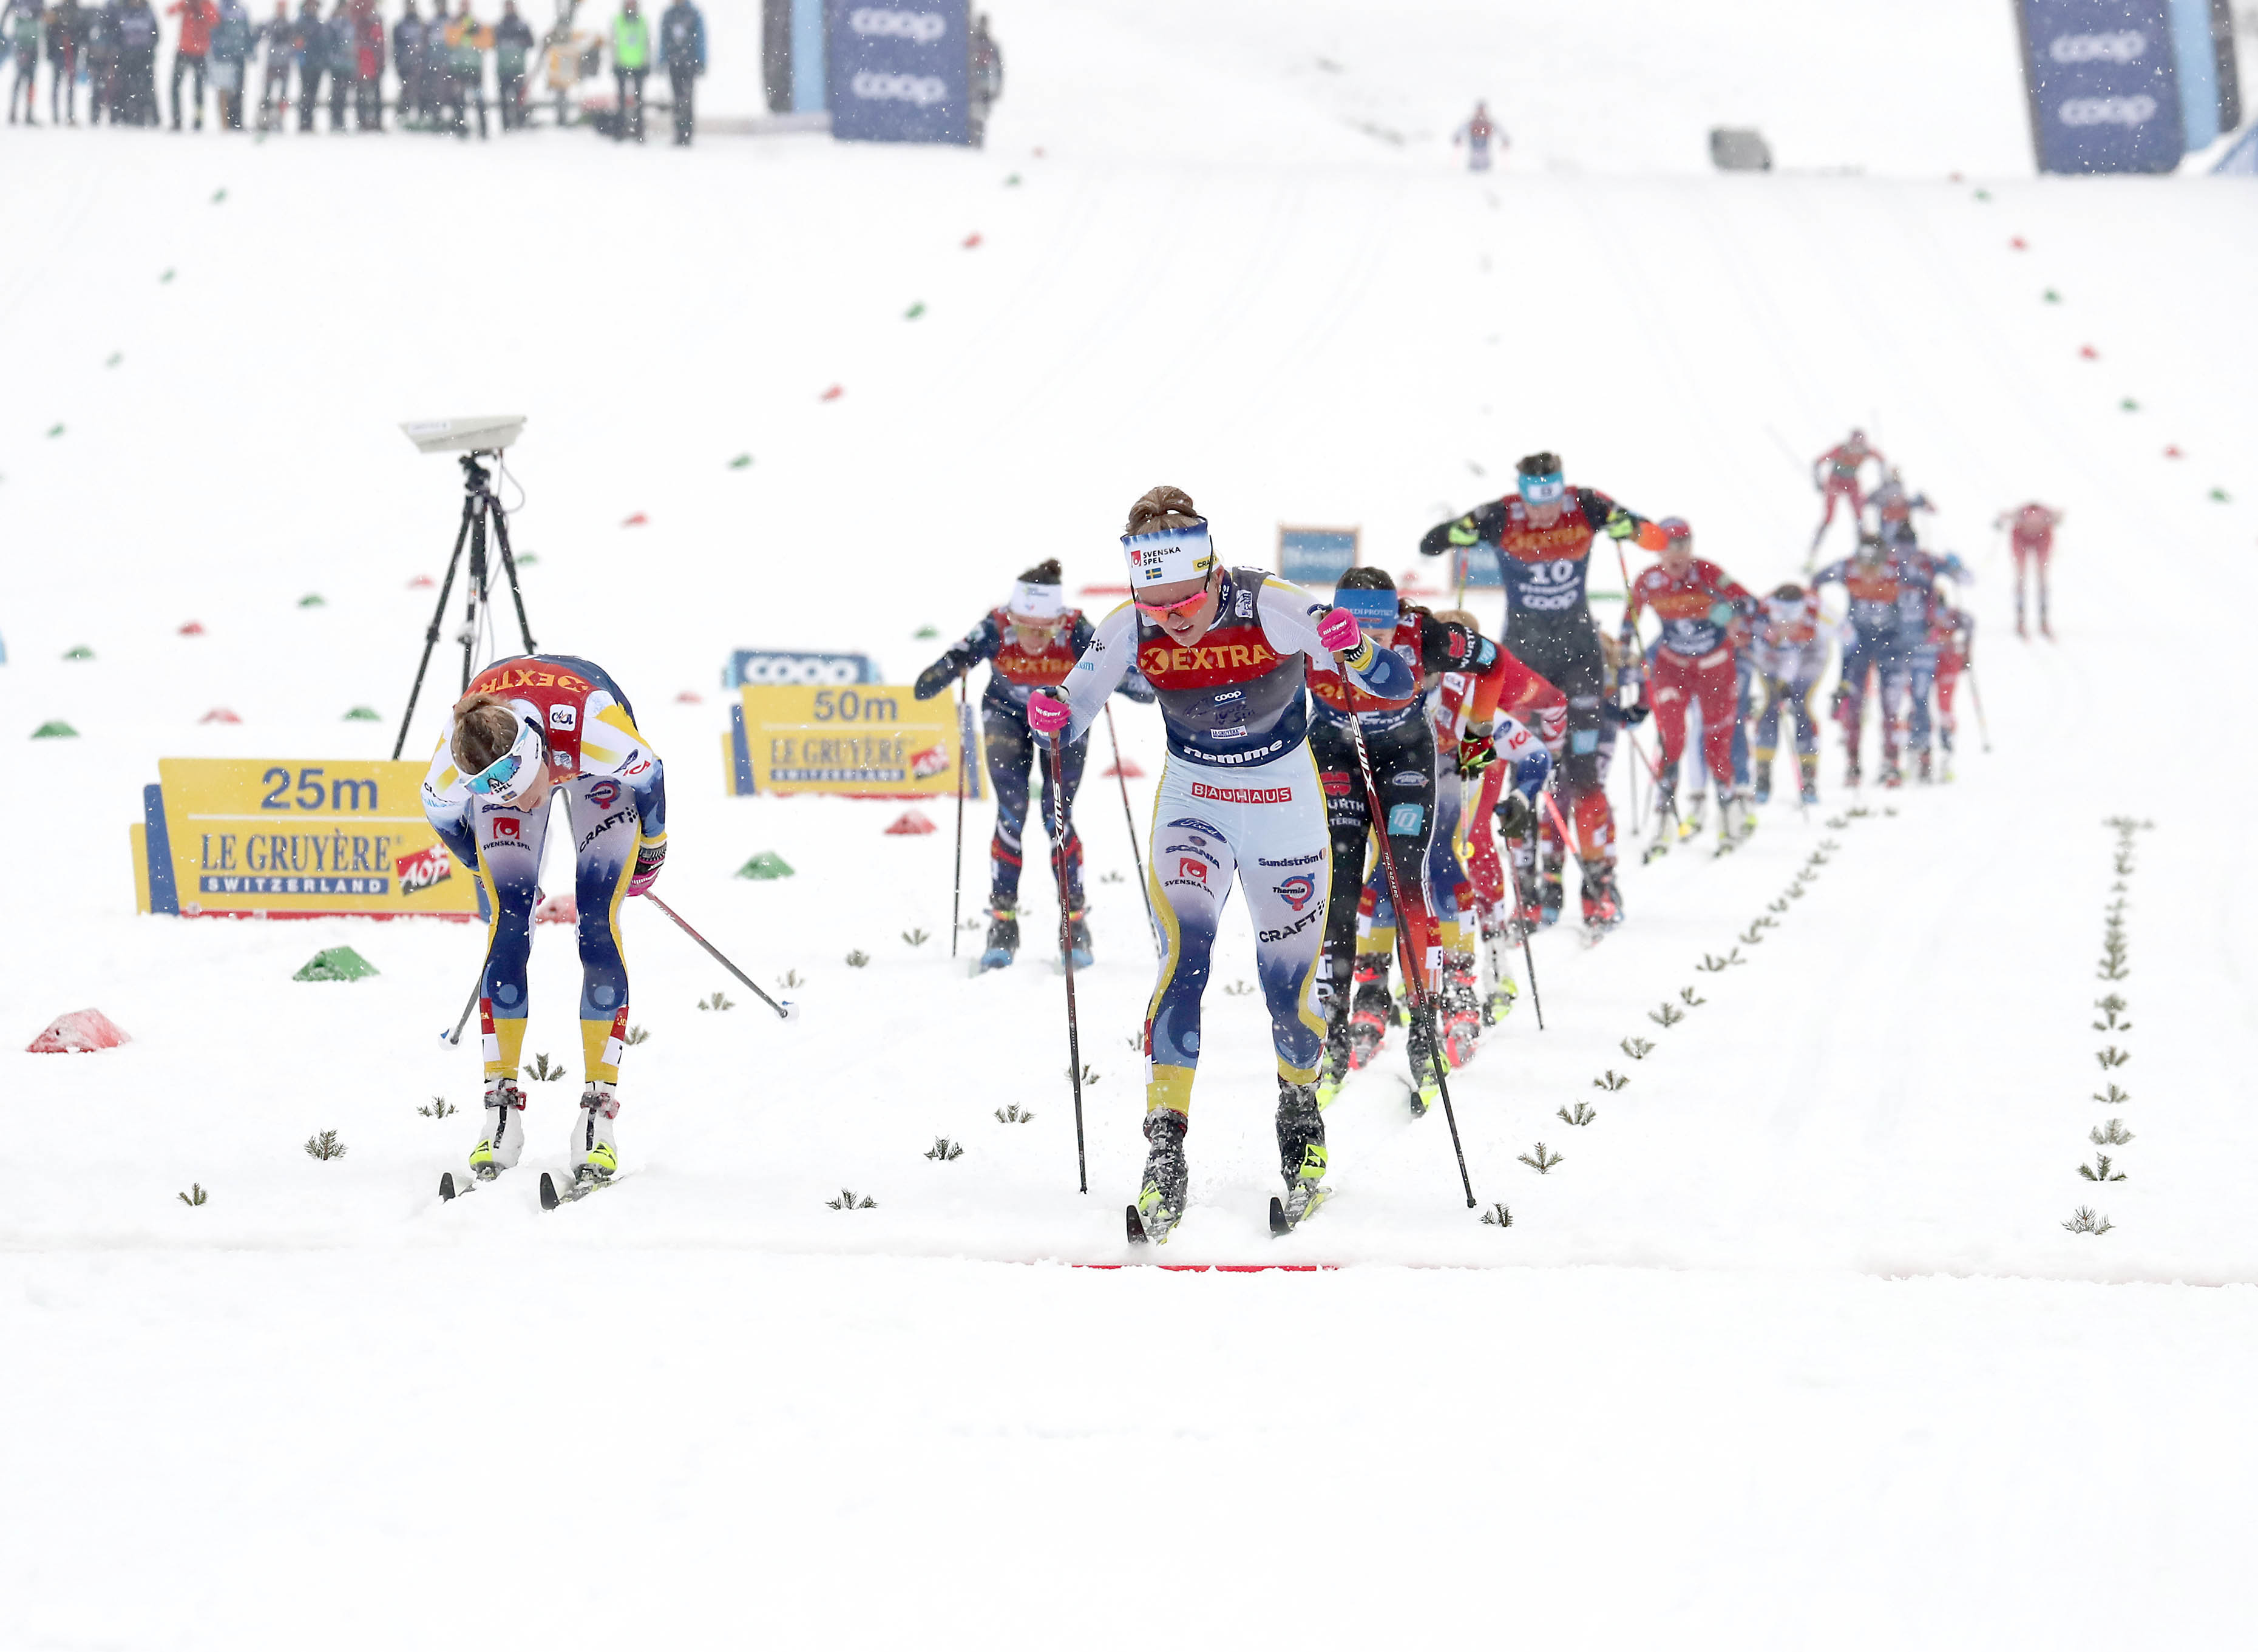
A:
<point x="485" y="727"/>
<point x="1160" y="509"/>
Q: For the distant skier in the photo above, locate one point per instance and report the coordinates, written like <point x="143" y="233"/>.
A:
<point x="1871" y="580"/>
<point x="1699" y="607"/>
<point x="1476" y="135"/>
<point x="1240" y="800"/>
<point x="1543" y="535"/>
<point x="1030" y="643"/>
<point x="1893" y="505"/>
<point x="1835" y="474"/>
<point x="986" y="79"/>
<point x="1788" y="649"/>
<point x="2031" y="533"/>
<point x="1954" y="638"/>
<point x="1905" y="692"/>
<point x="531" y="727"/>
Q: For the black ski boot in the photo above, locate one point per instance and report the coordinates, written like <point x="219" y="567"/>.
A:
<point x="1003" y="939"/>
<point x="1764" y="780"/>
<point x="1334" y="1066"/>
<point x="1806" y="764"/>
<point x="1369" y="1014"/>
<point x="1426" y="1082"/>
<point x="1301" y="1153"/>
<point x="1602" y="901"/>
<point x="1160" y="1202"/>
<point x="1923" y="770"/>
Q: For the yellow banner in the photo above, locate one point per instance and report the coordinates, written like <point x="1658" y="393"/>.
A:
<point x="259" y="835"/>
<point x="867" y="740"/>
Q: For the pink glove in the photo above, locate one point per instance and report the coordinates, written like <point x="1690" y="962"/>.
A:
<point x="1339" y="631"/>
<point x="648" y="858"/>
<point x="1047" y="713"/>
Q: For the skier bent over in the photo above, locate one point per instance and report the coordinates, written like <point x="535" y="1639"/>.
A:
<point x="532" y="728"/>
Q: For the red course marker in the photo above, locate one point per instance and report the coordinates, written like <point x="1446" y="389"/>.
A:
<point x="636" y="520"/>
<point x="2018" y="244"/>
<point x="2173" y="453"/>
<point x="911" y="824"/>
<point x="193" y="628"/>
<point x="972" y="240"/>
<point x="219" y="714"/>
<point x="1125" y="769"/>
<point x="2089" y="353"/>
<point x="834" y="394"/>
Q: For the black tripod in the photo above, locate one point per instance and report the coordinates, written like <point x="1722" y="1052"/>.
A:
<point x="479" y="504"/>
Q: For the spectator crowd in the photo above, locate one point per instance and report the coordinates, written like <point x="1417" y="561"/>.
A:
<point x="435" y="68"/>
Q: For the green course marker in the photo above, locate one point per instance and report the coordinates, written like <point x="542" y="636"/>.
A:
<point x="926" y="632"/>
<point x="81" y="652"/>
<point x="2053" y="297"/>
<point x="2219" y="494"/>
<point x="53" y="431"/>
<point x="115" y="356"/>
<point x="2129" y="404"/>
<point x="218" y="195"/>
<point x="313" y="598"/>
<point x="56" y="730"/>
<point x="166" y="276"/>
<point x="742" y="462"/>
<point x="765" y="865"/>
<point x="913" y="311"/>
<point x="363" y="714"/>
<point x="335" y="963"/>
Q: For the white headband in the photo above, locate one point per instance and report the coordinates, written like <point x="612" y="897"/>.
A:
<point x="1036" y="602"/>
<point x="1172" y="554"/>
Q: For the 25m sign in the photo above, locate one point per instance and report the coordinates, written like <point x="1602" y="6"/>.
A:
<point x="264" y="838"/>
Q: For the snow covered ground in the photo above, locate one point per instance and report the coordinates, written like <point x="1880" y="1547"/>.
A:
<point x="1790" y="1347"/>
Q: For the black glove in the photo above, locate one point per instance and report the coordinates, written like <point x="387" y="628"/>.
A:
<point x="1632" y="716"/>
<point x="1513" y="815"/>
<point x="936" y="678"/>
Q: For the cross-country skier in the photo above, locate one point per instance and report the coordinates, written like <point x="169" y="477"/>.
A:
<point x="1905" y="693"/>
<point x="1400" y="741"/>
<point x="1240" y="798"/>
<point x="1031" y="641"/>
<point x="2031" y="533"/>
<point x="1503" y="725"/>
<point x="1835" y="474"/>
<point x="1699" y="607"/>
<point x="1954" y="634"/>
<point x="1787" y="647"/>
<point x="1543" y="535"/>
<point x="1870" y="580"/>
<point x="530" y="728"/>
<point x="1893" y="504"/>
<point x="1476" y="135"/>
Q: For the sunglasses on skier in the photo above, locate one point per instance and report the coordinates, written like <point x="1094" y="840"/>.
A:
<point x="1165" y="610"/>
<point x="505" y="776"/>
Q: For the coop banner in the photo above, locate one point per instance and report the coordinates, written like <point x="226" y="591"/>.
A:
<point x="265" y="837"/>
<point x="872" y="741"/>
<point x="899" y="73"/>
<point x="2102" y="80"/>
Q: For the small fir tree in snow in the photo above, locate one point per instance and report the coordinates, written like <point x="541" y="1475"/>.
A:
<point x="324" y="1145"/>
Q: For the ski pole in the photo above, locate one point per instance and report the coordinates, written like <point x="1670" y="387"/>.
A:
<point x="456" y="1037"/>
<point x="1976" y="695"/>
<point x="1528" y="957"/>
<point x="956" y="898"/>
<point x="786" y="1012"/>
<point x="1066" y="949"/>
<point x="1420" y="1003"/>
<point x="1130" y="815"/>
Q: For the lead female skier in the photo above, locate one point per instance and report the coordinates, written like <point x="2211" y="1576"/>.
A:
<point x="1239" y="798"/>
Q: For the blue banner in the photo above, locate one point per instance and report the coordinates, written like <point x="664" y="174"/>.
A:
<point x="899" y="73"/>
<point x="789" y="668"/>
<point x="1316" y="556"/>
<point x="2103" y="84"/>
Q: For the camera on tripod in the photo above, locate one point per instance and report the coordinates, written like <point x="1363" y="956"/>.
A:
<point x="478" y="440"/>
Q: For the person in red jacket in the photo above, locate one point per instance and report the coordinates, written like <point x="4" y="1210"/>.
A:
<point x="2031" y="532"/>
<point x="196" y="17"/>
<point x="1699" y="605"/>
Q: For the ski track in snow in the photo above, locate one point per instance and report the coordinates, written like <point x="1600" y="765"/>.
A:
<point x="1793" y="1321"/>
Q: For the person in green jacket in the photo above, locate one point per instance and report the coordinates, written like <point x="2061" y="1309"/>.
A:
<point x="466" y="42"/>
<point x="630" y="62"/>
